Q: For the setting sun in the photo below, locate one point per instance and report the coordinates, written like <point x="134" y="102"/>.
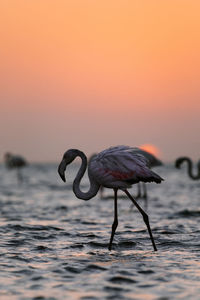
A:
<point x="151" y="149"/>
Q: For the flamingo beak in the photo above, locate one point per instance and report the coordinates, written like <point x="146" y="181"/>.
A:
<point x="61" y="169"/>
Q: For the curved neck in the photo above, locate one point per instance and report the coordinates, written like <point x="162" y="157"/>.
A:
<point x="94" y="186"/>
<point x="194" y="177"/>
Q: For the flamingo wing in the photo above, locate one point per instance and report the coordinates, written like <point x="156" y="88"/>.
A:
<point x="153" y="161"/>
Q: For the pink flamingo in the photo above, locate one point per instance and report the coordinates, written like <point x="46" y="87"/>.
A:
<point x="117" y="168"/>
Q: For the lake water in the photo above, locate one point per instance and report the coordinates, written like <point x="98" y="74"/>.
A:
<point x="54" y="246"/>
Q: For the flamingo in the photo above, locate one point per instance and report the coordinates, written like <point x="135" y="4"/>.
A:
<point x="15" y="162"/>
<point x="183" y="159"/>
<point x="117" y="168"/>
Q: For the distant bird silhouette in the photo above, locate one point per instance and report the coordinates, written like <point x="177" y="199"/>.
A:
<point x="117" y="168"/>
<point x="179" y="161"/>
<point x="15" y="162"/>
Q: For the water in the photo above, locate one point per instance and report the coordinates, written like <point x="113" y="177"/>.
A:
<point x="54" y="246"/>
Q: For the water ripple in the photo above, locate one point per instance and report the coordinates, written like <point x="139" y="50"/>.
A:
<point x="55" y="246"/>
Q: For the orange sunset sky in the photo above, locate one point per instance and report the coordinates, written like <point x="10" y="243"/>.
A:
<point x="90" y="74"/>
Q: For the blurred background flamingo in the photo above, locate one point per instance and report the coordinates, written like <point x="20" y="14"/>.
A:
<point x="179" y="161"/>
<point x="16" y="162"/>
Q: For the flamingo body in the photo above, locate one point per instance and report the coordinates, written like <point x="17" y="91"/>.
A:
<point x="151" y="162"/>
<point x="120" y="167"/>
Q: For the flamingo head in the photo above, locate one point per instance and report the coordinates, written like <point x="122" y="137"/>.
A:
<point x="67" y="159"/>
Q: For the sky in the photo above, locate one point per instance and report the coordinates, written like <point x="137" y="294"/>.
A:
<point x="90" y="74"/>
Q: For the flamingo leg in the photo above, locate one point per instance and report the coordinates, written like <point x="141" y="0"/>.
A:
<point x="139" y="194"/>
<point x="145" y="218"/>
<point x="139" y="191"/>
<point x="145" y="196"/>
<point x="115" y="223"/>
<point x="101" y="192"/>
<point x="145" y="191"/>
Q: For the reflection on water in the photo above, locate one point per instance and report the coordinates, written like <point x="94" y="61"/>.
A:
<point x="54" y="246"/>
